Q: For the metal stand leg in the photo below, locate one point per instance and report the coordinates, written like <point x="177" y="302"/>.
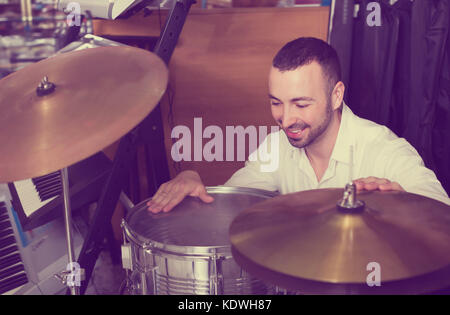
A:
<point x="73" y="275"/>
<point x="68" y="224"/>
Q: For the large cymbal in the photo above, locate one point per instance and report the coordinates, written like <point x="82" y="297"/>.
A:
<point x="301" y="241"/>
<point x="100" y="95"/>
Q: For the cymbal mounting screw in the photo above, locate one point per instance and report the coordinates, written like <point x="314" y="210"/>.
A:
<point x="45" y="87"/>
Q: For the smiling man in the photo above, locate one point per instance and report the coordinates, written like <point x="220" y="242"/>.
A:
<point x="318" y="132"/>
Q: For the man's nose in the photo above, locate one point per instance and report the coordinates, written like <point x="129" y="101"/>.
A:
<point x="287" y="119"/>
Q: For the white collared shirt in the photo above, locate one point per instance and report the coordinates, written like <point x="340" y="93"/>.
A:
<point x="377" y="151"/>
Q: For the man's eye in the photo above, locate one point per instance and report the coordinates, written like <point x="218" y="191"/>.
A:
<point x="302" y="106"/>
<point x="274" y="104"/>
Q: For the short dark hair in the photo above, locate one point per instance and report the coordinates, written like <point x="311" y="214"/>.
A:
<point x="304" y="50"/>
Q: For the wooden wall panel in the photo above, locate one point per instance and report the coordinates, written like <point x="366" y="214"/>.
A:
<point x="219" y="68"/>
<point x="219" y="71"/>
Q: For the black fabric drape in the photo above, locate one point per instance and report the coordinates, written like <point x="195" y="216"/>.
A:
<point x="400" y="75"/>
<point x="422" y="89"/>
<point x="372" y="67"/>
<point x="429" y="30"/>
<point x="342" y="23"/>
<point x="401" y="95"/>
<point x="441" y="130"/>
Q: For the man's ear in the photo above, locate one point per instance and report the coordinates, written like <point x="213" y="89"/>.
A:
<point x="337" y="96"/>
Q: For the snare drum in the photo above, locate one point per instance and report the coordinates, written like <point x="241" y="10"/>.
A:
<point x="187" y="251"/>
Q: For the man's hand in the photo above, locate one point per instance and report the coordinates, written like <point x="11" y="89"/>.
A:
<point x="375" y="183"/>
<point x="173" y="192"/>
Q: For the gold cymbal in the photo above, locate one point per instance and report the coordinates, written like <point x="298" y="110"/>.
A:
<point x="301" y="241"/>
<point x="100" y="94"/>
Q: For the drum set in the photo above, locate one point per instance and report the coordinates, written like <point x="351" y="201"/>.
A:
<point x="63" y="109"/>
<point x="324" y="241"/>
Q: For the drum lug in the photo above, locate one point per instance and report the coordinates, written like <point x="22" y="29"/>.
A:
<point x="127" y="261"/>
<point x="216" y="281"/>
<point x="148" y="247"/>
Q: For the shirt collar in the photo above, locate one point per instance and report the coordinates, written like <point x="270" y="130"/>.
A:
<point x="345" y="137"/>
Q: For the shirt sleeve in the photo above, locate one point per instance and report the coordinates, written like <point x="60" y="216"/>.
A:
<point x="404" y="165"/>
<point x="262" y="167"/>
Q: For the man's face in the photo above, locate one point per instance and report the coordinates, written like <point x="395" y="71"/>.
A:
<point x="300" y="103"/>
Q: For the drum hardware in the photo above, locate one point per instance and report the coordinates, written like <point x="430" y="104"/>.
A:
<point x="349" y="203"/>
<point x="214" y="280"/>
<point x="74" y="289"/>
<point x="127" y="263"/>
<point x="187" y="250"/>
<point x="45" y="87"/>
<point x="143" y="280"/>
<point x="66" y="277"/>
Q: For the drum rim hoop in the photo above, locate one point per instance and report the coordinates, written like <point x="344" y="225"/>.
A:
<point x="148" y="244"/>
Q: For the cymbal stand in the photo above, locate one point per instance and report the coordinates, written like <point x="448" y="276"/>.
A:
<point x="73" y="275"/>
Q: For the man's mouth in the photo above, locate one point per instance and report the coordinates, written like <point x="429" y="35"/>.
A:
<point x="295" y="133"/>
